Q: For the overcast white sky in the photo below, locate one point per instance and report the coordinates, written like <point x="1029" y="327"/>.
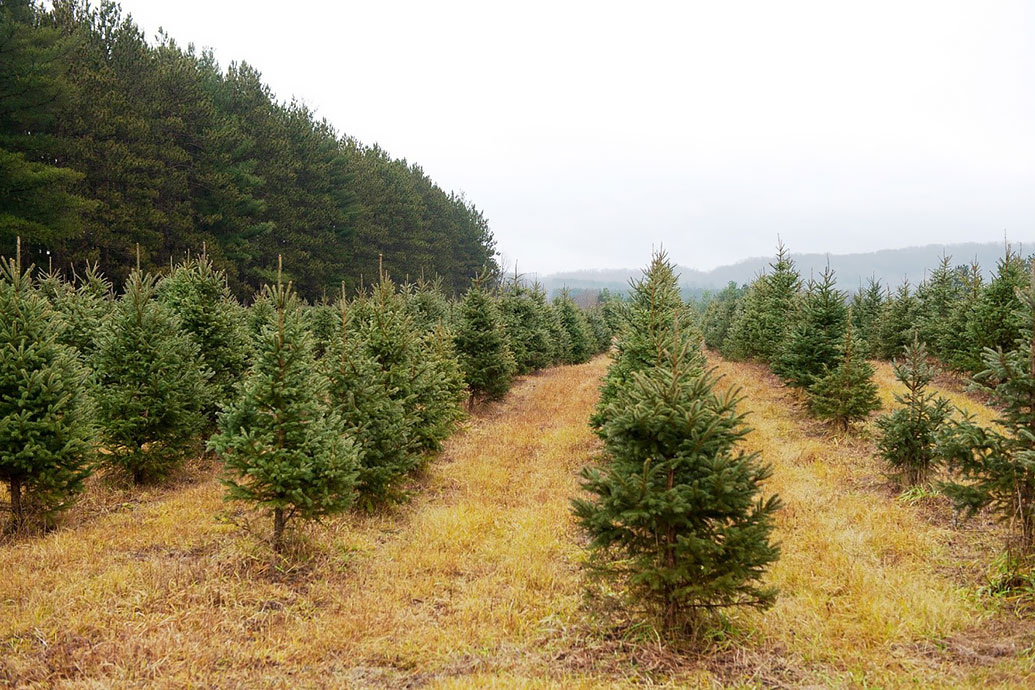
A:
<point x="588" y="131"/>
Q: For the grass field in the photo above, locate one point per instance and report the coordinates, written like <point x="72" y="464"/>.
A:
<point x="476" y="579"/>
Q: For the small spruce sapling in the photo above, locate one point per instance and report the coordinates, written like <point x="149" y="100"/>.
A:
<point x="908" y="435"/>
<point x="284" y="450"/>
<point x="46" y="415"/>
<point x="846" y="393"/>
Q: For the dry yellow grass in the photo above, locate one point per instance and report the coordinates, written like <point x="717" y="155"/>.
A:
<point x="475" y="582"/>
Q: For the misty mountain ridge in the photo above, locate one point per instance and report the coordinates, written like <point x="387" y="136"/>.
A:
<point x="889" y="266"/>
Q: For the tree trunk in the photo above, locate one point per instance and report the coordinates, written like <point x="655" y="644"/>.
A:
<point x="278" y="529"/>
<point x="17" y="513"/>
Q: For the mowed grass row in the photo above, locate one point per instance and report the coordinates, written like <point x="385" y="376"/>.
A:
<point x="475" y="575"/>
<point x="876" y="591"/>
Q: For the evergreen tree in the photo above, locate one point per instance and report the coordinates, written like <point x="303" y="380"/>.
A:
<point x="746" y="331"/>
<point x="898" y="324"/>
<point x="46" y="415"/>
<point x="428" y="305"/>
<point x="526" y="318"/>
<point x="151" y="384"/>
<point x="601" y="334"/>
<point x="674" y="514"/>
<point x="439" y="390"/>
<point x="867" y="308"/>
<point x="718" y="316"/>
<point x="653" y="308"/>
<point x="995" y="467"/>
<point x="481" y="343"/>
<point x="814" y="343"/>
<point x="938" y="296"/>
<point x="371" y="409"/>
<point x="285" y="450"/>
<point x="994" y="322"/>
<point x="321" y="321"/>
<point x="580" y="340"/>
<point x="560" y="340"/>
<point x="846" y="393"/>
<point x="198" y="294"/>
<point x="908" y="435"/>
<point x="957" y="349"/>
<point x="779" y="302"/>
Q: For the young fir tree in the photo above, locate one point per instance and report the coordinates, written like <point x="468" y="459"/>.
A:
<point x="937" y="297"/>
<point x="994" y="322"/>
<point x="481" y="343"/>
<point x="46" y="415"/>
<point x="908" y="435"/>
<point x="653" y="307"/>
<point x="747" y="324"/>
<point x="996" y="466"/>
<point x="580" y="340"/>
<point x="779" y="302"/>
<point x="151" y="383"/>
<point x="957" y="350"/>
<point x="322" y="323"/>
<point x="601" y="334"/>
<point x="560" y="341"/>
<point x="674" y="514"/>
<point x="813" y="344"/>
<point x="866" y="310"/>
<point x="718" y="316"/>
<point x="371" y="409"/>
<point x="898" y="322"/>
<point x="198" y="294"/>
<point x="439" y="391"/>
<point x="428" y="305"/>
<point x="527" y="322"/>
<point x="846" y="393"/>
<point x="285" y="450"/>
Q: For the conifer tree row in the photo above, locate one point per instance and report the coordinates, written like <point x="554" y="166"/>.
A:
<point x="175" y="356"/>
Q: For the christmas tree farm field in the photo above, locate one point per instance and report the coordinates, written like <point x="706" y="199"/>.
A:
<point x="878" y="588"/>
<point x="476" y="580"/>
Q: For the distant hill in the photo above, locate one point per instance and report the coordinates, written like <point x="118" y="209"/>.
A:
<point x="890" y="266"/>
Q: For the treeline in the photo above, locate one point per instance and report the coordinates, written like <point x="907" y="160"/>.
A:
<point x="311" y="408"/>
<point x="818" y="339"/>
<point x="108" y="142"/>
<point x="954" y="311"/>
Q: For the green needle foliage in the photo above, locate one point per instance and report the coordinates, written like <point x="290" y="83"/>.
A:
<point x="481" y="343"/>
<point x="372" y="411"/>
<point x="908" y="435"/>
<point x="898" y="323"/>
<point x="846" y="394"/>
<point x="285" y="450"/>
<point x="813" y="345"/>
<point x="151" y="384"/>
<point x="46" y="415"/>
<point x="674" y="514"/>
<point x="996" y="467"/>
<point x="439" y="390"/>
<point x="866" y="310"/>
<point x="197" y="293"/>
<point x="527" y="320"/>
<point x="652" y="310"/>
<point x="581" y="345"/>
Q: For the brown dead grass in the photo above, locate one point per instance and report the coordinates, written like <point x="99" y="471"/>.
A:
<point x="476" y="581"/>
